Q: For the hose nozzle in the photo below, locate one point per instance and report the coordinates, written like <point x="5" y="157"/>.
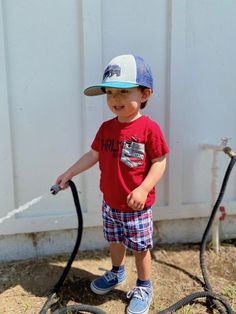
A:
<point x="227" y="150"/>
<point x="55" y="189"/>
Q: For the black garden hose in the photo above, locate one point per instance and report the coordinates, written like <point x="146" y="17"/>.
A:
<point x="52" y="299"/>
<point x="78" y="239"/>
<point x="218" y="301"/>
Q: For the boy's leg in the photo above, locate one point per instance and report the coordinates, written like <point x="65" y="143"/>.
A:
<point x="117" y="251"/>
<point x="116" y="275"/>
<point x="141" y="295"/>
<point x="113" y="234"/>
<point x="143" y="265"/>
<point x="140" y="241"/>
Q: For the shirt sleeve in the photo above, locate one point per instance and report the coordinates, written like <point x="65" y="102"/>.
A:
<point x="156" y="143"/>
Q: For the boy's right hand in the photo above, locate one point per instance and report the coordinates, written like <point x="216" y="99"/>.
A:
<point x="63" y="179"/>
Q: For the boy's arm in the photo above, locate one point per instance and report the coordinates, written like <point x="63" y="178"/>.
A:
<point x="137" y="198"/>
<point x="85" y="162"/>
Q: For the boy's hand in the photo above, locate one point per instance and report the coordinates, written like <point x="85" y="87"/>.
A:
<point x="137" y="198"/>
<point x="63" y="179"/>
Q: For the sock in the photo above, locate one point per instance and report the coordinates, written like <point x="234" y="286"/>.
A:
<point x="118" y="269"/>
<point x="144" y="283"/>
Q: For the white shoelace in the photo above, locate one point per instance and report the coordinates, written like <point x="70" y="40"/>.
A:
<point x="109" y="275"/>
<point x="137" y="292"/>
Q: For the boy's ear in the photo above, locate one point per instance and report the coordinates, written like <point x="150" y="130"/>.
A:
<point x="146" y="93"/>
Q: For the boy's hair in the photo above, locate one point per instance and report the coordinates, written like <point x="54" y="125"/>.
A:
<point x="143" y="104"/>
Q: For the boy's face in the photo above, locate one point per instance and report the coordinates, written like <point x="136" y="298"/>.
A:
<point x="125" y="103"/>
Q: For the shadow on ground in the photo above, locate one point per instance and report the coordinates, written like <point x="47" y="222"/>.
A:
<point x="38" y="278"/>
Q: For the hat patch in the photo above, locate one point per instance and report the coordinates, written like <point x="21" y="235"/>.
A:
<point x="111" y="70"/>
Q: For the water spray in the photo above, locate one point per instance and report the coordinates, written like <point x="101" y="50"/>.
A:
<point x="22" y="208"/>
<point x="54" y="190"/>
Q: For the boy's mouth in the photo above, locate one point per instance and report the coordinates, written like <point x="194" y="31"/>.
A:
<point x="118" y="108"/>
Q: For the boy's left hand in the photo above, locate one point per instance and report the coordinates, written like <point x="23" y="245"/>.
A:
<point x="137" y="198"/>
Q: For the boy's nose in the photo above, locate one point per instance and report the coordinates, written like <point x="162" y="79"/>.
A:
<point x="115" y="99"/>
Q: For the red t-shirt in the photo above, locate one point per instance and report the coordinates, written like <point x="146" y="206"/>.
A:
<point x="126" y="151"/>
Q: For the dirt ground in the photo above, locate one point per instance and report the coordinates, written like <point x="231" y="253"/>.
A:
<point x="25" y="285"/>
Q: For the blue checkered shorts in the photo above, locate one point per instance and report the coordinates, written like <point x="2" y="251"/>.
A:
<point x="133" y="229"/>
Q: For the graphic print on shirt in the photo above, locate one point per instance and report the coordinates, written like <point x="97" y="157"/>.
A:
<point x="132" y="154"/>
<point x="111" y="145"/>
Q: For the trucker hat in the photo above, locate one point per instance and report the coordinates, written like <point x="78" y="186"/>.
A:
<point x="125" y="71"/>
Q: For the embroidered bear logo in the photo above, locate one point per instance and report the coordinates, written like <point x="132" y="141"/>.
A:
<point x="112" y="69"/>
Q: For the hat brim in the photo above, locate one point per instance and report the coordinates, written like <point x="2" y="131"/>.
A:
<point x="98" y="89"/>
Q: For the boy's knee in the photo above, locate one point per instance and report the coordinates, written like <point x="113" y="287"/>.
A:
<point x="141" y="254"/>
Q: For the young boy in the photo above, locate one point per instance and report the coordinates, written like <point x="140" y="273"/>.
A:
<point x="131" y="151"/>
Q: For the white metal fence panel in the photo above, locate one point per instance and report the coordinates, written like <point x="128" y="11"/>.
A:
<point x="51" y="50"/>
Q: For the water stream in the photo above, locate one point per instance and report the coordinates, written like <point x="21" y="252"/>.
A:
<point x="22" y="208"/>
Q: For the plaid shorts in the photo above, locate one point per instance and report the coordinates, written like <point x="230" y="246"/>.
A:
<point x="133" y="229"/>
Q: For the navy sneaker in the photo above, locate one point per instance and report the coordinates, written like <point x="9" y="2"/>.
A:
<point x="107" y="282"/>
<point x="141" y="298"/>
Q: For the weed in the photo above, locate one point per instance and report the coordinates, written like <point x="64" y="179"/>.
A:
<point x="155" y="305"/>
<point x="230" y="291"/>
<point x="187" y="309"/>
<point x="25" y="306"/>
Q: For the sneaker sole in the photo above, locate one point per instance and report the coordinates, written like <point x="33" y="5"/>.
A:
<point x="144" y="312"/>
<point x="103" y="291"/>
